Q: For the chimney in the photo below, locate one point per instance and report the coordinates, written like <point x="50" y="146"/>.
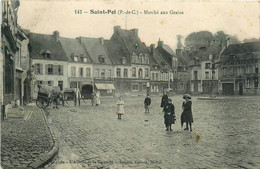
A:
<point x="135" y="31"/>
<point x="178" y="52"/>
<point x="80" y="40"/>
<point x="160" y="43"/>
<point x="152" y="48"/>
<point x="228" y="41"/>
<point x="56" y="35"/>
<point x="101" y="40"/>
<point x="116" y="28"/>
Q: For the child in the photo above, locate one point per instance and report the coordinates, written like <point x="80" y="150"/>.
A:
<point x="147" y="102"/>
<point x="120" y="107"/>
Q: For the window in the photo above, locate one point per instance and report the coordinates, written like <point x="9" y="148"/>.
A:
<point x="118" y="72"/>
<point x="153" y="76"/>
<point x="88" y="72"/>
<point x="256" y="82"/>
<point x="73" y="71"/>
<point x="39" y="82"/>
<point x="248" y="69"/>
<point x="210" y="57"/>
<point x="157" y="76"/>
<point x="134" y="72"/>
<point x="81" y="72"/>
<point x="50" y="83"/>
<point x="140" y="73"/>
<point x="146" y="72"/>
<point x="195" y="73"/>
<point x="103" y="73"/>
<point x="97" y="73"/>
<point x="101" y="58"/>
<point x="50" y="69"/>
<point x="206" y="75"/>
<point x="134" y="58"/>
<point x="125" y="73"/>
<point x="60" y="84"/>
<point x="60" y="70"/>
<point x="256" y="69"/>
<point x="123" y="60"/>
<point x="38" y="69"/>
<point x="84" y="59"/>
<point x="135" y="87"/>
<point x="248" y="83"/>
<point x="140" y="58"/>
<point x="144" y="87"/>
<point x="207" y="65"/>
<point x="75" y="58"/>
<point x="224" y="71"/>
<point x="109" y="73"/>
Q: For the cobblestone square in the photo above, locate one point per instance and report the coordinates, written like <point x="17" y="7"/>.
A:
<point x="226" y="134"/>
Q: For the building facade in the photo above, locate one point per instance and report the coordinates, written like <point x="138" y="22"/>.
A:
<point x="49" y="62"/>
<point x="239" y="69"/>
<point x="132" y="70"/>
<point x="9" y="49"/>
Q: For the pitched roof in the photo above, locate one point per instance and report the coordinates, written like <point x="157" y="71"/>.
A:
<point x="157" y="58"/>
<point x="96" y="49"/>
<point x="124" y="43"/>
<point x="242" y="48"/>
<point x="214" y="50"/>
<point x="40" y="43"/>
<point x="168" y="49"/>
<point x="183" y="58"/>
<point x="73" y="47"/>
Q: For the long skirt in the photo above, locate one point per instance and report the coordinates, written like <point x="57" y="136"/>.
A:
<point x="186" y="117"/>
<point x="169" y="119"/>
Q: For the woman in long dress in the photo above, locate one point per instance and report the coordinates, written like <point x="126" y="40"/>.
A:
<point x="97" y="98"/>
<point x="120" y="107"/>
<point x="169" y="115"/>
<point x="186" y="115"/>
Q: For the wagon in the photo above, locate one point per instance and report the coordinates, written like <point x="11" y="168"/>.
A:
<point x="46" y="95"/>
<point x="87" y="92"/>
<point x="69" y="94"/>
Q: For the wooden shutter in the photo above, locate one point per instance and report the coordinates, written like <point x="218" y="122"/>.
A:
<point x="41" y="69"/>
<point x="46" y="69"/>
<point x="55" y="70"/>
<point x="61" y="69"/>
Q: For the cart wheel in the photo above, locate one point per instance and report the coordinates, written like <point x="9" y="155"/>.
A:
<point x="41" y="103"/>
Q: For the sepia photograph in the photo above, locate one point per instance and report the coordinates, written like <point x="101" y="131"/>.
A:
<point x="142" y="84"/>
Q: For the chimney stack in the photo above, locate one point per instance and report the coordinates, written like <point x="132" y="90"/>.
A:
<point x="56" y="35"/>
<point x="152" y="48"/>
<point x="101" y="40"/>
<point x="116" y="28"/>
<point x="80" y="40"/>
<point x="135" y="31"/>
<point x="160" y="43"/>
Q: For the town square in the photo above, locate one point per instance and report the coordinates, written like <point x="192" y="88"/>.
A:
<point x="131" y="84"/>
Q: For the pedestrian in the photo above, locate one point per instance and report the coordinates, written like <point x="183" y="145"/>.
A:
<point x="147" y="103"/>
<point x="120" y="107"/>
<point x="164" y="99"/>
<point x="186" y="115"/>
<point x="97" y="98"/>
<point x="93" y="98"/>
<point x="169" y="115"/>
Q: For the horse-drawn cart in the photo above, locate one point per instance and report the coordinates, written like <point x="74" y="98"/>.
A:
<point x="46" y="95"/>
<point x="69" y="94"/>
<point x="87" y="92"/>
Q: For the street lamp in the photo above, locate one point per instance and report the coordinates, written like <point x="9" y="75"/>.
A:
<point x="213" y="67"/>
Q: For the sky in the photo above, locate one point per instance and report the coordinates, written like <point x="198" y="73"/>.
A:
<point x="234" y="18"/>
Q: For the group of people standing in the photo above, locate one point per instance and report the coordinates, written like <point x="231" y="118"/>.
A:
<point x="168" y="109"/>
<point x="169" y="112"/>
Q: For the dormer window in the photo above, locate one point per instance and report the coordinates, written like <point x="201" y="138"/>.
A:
<point x="140" y="58"/>
<point x="136" y="46"/>
<point x="101" y="58"/>
<point x="123" y="60"/>
<point x="210" y="57"/>
<point x="46" y="53"/>
<point x="75" y="58"/>
<point x="85" y="60"/>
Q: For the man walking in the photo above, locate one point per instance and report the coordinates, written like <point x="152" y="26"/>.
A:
<point x="147" y="102"/>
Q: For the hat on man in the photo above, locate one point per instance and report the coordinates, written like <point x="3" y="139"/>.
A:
<point x="186" y="96"/>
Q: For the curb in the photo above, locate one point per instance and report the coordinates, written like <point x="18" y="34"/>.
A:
<point x="47" y="157"/>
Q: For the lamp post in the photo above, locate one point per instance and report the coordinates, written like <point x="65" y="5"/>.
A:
<point x="213" y="67"/>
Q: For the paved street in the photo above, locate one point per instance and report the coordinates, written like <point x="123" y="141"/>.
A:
<point x="226" y="134"/>
<point x="24" y="141"/>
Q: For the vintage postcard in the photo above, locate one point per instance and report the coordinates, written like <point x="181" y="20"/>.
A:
<point x="130" y="84"/>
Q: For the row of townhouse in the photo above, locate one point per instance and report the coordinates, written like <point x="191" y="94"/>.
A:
<point x="225" y="69"/>
<point x="121" y="65"/>
<point x="15" y="61"/>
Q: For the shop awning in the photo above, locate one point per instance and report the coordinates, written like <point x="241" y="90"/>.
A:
<point x="104" y="86"/>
